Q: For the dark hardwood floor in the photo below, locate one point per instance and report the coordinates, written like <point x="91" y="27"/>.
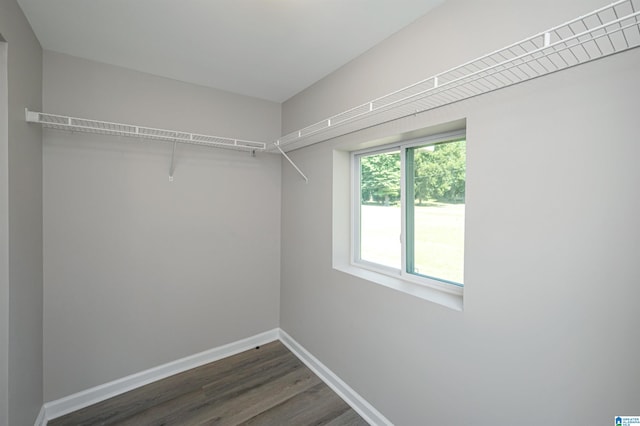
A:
<point x="263" y="386"/>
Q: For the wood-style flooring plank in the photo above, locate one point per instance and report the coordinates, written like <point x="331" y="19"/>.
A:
<point x="264" y="386"/>
<point x="129" y="403"/>
<point x="257" y="400"/>
<point x="348" y="418"/>
<point x="229" y="402"/>
<point x="316" y="406"/>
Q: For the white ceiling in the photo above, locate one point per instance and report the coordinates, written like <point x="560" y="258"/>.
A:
<point x="270" y="49"/>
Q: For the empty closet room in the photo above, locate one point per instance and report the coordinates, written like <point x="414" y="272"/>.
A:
<point x="180" y="183"/>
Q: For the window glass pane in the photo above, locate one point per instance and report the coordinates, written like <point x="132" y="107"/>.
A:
<point x="435" y="210"/>
<point x="380" y="213"/>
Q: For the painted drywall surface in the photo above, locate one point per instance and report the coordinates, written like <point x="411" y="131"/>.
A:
<point x="451" y="34"/>
<point x="22" y="389"/>
<point x="140" y="271"/>
<point x="548" y="334"/>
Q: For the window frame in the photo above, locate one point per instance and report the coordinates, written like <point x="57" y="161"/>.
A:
<point x="355" y="206"/>
<point x="402" y="274"/>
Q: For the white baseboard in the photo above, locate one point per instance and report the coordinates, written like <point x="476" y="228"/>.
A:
<point x="351" y="397"/>
<point x="60" y="407"/>
<point x="77" y="401"/>
<point x="41" y="420"/>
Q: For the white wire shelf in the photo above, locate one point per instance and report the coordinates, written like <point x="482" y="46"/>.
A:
<point x="612" y="29"/>
<point x="85" y="125"/>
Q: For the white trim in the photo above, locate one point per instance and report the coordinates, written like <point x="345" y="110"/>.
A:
<point x="77" y="401"/>
<point x="41" y="419"/>
<point x="442" y="292"/>
<point x="350" y="396"/>
<point x="431" y="293"/>
<point x="68" y="404"/>
<point x="4" y="236"/>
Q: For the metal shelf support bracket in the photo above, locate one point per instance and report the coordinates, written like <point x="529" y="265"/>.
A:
<point x="277" y="145"/>
<point x="173" y="166"/>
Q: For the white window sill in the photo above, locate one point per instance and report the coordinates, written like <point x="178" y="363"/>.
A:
<point x="435" y="295"/>
<point x="341" y="250"/>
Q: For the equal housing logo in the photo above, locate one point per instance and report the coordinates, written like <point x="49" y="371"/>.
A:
<point x="627" y="421"/>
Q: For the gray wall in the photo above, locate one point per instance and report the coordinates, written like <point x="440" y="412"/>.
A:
<point x="21" y="218"/>
<point x="548" y="334"/>
<point x="140" y="271"/>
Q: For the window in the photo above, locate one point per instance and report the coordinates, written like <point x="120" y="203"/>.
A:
<point x="409" y="208"/>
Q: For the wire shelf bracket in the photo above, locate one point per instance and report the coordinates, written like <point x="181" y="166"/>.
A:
<point x="277" y="145"/>
<point x="603" y="32"/>
<point x="172" y="167"/>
